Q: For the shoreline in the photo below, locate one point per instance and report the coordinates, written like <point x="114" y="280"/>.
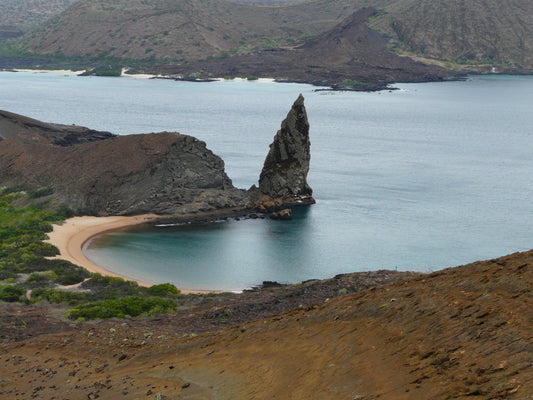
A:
<point x="124" y="74"/>
<point x="71" y="236"/>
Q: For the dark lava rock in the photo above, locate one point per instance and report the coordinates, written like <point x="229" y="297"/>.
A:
<point x="167" y="173"/>
<point x="284" y="215"/>
<point x="163" y="173"/>
<point x="284" y="173"/>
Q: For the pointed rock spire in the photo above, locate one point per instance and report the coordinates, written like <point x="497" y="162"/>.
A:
<point x="284" y="174"/>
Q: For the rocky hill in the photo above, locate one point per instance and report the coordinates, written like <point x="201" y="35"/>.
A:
<point x="462" y="333"/>
<point x="472" y="32"/>
<point x="18" y="16"/>
<point x="164" y="173"/>
<point x="468" y="32"/>
<point x="349" y="56"/>
<point x="169" y="174"/>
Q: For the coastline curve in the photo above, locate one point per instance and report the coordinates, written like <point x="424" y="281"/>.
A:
<point x="71" y="236"/>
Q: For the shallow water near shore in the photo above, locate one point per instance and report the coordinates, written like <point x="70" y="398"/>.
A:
<point x="422" y="178"/>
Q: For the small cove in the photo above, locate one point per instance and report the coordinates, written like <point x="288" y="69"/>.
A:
<point x="422" y="178"/>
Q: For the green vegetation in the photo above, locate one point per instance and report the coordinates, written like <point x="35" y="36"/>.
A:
<point x="119" y="308"/>
<point x="41" y="193"/>
<point x="104" y="70"/>
<point x="11" y="293"/>
<point x="355" y="85"/>
<point x="163" y="289"/>
<point x="24" y="266"/>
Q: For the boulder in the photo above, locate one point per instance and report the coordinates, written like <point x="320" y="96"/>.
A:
<point x="284" y="215"/>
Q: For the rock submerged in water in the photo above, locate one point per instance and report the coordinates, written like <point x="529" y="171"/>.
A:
<point x="284" y="215"/>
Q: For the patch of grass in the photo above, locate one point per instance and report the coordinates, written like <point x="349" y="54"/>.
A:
<point x="60" y="296"/>
<point x="42" y="193"/>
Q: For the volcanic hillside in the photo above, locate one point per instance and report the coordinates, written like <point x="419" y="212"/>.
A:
<point x="470" y="31"/>
<point x="349" y="56"/>
<point x="493" y="32"/>
<point x="18" y="16"/>
<point x="461" y="333"/>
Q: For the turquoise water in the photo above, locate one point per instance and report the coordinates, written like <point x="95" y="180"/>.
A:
<point x="425" y="177"/>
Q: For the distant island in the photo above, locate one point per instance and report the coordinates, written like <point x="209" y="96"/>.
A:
<point x="342" y="44"/>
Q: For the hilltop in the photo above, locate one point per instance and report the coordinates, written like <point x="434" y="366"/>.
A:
<point x="19" y="16"/>
<point x="461" y="333"/>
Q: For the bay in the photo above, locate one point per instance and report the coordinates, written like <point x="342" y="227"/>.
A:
<point x="421" y="178"/>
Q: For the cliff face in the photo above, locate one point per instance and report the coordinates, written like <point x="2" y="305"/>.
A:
<point x="284" y="173"/>
<point x="164" y="173"/>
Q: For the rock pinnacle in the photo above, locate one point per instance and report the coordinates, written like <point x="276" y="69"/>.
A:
<point x="284" y="174"/>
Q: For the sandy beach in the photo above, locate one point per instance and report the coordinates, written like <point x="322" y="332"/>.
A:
<point x="49" y="71"/>
<point x="70" y="237"/>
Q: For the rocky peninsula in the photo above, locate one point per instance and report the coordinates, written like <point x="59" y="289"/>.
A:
<point x="170" y="174"/>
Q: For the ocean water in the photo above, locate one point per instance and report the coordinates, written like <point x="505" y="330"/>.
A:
<point x="421" y="178"/>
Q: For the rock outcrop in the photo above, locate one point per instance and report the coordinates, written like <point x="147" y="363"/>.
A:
<point x="163" y="173"/>
<point x="284" y="174"/>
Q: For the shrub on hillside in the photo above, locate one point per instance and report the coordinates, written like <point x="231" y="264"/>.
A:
<point x="11" y="293"/>
<point x="59" y="296"/>
<point x="107" y="287"/>
<point x="163" y="289"/>
<point x="119" y="308"/>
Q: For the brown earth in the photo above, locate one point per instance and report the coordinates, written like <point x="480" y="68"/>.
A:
<point x="350" y="56"/>
<point x="476" y="35"/>
<point x="16" y="16"/>
<point x="464" y="332"/>
<point x="165" y="173"/>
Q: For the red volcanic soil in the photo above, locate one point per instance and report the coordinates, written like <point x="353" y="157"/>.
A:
<point x="464" y="332"/>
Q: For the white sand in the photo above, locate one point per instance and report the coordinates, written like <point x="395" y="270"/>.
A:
<point x="71" y="236"/>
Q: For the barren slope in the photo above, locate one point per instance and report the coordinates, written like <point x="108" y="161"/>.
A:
<point x="17" y="16"/>
<point x="177" y="29"/>
<point x="472" y="31"/>
<point x="349" y="56"/>
<point x="462" y="333"/>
